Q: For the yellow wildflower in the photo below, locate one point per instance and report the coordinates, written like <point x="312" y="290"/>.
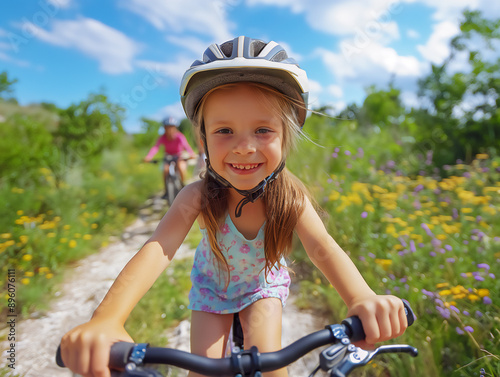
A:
<point x="72" y="244"/>
<point x="49" y="276"/>
<point x="27" y="257"/>
<point x="445" y="292"/>
<point x="23" y="238"/>
<point x="384" y="263"/>
<point x="334" y="195"/>
<point x="482" y="156"/>
<point x="29" y="274"/>
<point x="19" y="212"/>
<point x="483" y="292"/>
<point x="87" y="237"/>
<point x="43" y="270"/>
<point x="67" y="227"/>
<point x="473" y="297"/>
<point x="5" y="235"/>
<point x="441" y="237"/>
<point x="442" y="285"/>
<point x="25" y="281"/>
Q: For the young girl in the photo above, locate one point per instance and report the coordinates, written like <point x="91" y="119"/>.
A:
<point x="249" y="101"/>
<point x="174" y="143"/>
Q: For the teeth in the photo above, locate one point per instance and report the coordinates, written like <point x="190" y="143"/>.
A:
<point x="244" y="167"/>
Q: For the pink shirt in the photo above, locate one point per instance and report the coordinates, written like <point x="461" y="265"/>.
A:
<point x="173" y="147"/>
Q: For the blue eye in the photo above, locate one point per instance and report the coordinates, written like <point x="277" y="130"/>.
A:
<point x="263" y="131"/>
<point x="223" y="131"/>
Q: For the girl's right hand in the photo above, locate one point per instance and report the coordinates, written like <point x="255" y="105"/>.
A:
<point x="85" y="349"/>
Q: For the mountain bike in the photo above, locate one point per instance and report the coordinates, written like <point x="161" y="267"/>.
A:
<point x="339" y="359"/>
<point x="173" y="184"/>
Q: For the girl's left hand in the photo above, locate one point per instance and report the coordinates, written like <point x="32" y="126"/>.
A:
<point x="383" y="318"/>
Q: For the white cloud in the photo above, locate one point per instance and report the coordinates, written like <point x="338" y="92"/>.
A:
<point x="372" y="64"/>
<point x="413" y="34"/>
<point x="207" y="18"/>
<point x="343" y="17"/>
<point x="172" y="70"/>
<point x="192" y="44"/>
<point x="60" y="3"/>
<point x="335" y="90"/>
<point x="111" y="48"/>
<point x="437" y="47"/>
<point x="174" y="110"/>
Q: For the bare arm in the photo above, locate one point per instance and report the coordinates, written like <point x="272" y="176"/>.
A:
<point x="382" y="316"/>
<point x="85" y="349"/>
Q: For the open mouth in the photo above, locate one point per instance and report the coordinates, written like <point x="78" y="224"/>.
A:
<point x="244" y="166"/>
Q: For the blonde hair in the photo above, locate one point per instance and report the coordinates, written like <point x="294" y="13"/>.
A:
<point x="284" y="199"/>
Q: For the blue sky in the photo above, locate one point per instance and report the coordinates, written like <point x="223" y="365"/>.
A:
<point x="137" y="50"/>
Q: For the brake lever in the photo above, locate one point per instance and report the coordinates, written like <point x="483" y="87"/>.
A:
<point x="356" y="357"/>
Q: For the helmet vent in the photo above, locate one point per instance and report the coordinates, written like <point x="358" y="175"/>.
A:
<point x="256" y="47"/>
<point x="280" y="56"/>
<point x="227" y="48"/>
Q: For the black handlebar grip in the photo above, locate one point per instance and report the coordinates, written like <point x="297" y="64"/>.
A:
<point x="354" y="327"/>
<point x="118" y="356"/>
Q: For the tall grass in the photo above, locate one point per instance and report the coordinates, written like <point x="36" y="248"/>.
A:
<point x="434" y="241"/>
<point x="52" y="222"/>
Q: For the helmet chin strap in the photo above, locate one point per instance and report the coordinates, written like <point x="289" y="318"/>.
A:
<point x="249" y="196"/>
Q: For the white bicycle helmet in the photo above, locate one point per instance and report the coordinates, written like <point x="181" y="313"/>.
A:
<point x="170" y="121"/>
<point x="244" y="59"/>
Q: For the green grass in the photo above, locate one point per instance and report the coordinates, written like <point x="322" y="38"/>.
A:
<point x="434" y="241"/>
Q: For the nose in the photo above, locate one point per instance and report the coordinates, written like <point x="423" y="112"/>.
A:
<point x="244" y="145"/>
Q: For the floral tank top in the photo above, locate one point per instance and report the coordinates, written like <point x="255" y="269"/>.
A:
<point x="211" y="291"/>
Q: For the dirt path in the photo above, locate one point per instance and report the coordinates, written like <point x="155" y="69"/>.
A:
<point x="85" y="286"/>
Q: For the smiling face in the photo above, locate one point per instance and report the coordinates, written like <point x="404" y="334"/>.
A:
<point x="244" y="135"/>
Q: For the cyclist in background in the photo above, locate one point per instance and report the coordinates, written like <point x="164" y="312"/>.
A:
<point x="174" y="143"/>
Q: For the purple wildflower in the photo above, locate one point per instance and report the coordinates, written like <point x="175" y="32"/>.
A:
<point x="484" y="265"/>
<point x="459" y="331"/>
<point x="445" y="313"/>
<point x="448" y="247"/>
<point x="347" y="152"/>
<point x="435" y="242"/>
<point x="371" y="255"/>
<point x="432" y="254"/>
<point x="478" y="314"/>
<point x="364" y="214"/>
<point x="450" y="260"/>
<point x="455" y="309"/>
<point x="465" y="312"/>
<point x="439" y="301"/>
<point x="491" y="275"/>
<point x="419" y="188"/>
<point x="487" y="300"/>
<point x="455" y="214"/>
<point x="334" y="155"/>
<point x="468" y="329"/>
<point x="428" y="293"/>
<point x="463" y="274"/>
<point x="362" y="258"/>
<point x="412" y="246"/>
<point x="427" y="230"/>
<point x="478" y="278"/>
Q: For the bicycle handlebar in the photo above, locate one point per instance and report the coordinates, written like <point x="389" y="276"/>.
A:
<point x="245" y="362"/>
